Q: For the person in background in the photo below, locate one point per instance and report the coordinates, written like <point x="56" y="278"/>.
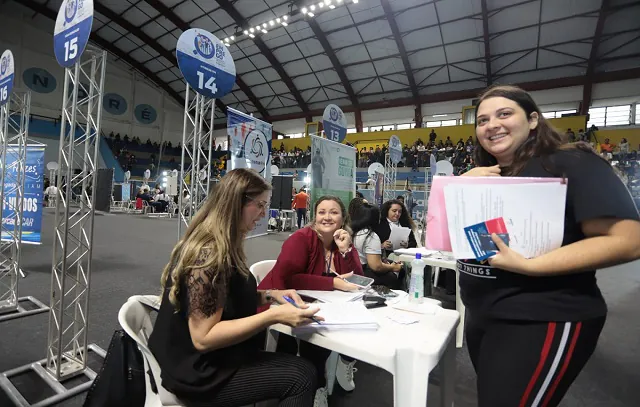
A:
<point x="206" y="336"/>
<point x="393" y="214"/>
<point x="400" y="198"/>
<point x="300" y="206"/>
<point x="532" y="324"/>
<point x="354" y="205"/>
<point x="364" y="221"/>
<point x="624" y="149"/>
<point x="409" y="202"/>
<point x="162" y="199"/>
<point x="318" y="257"/>
<point x="570" y="135"/>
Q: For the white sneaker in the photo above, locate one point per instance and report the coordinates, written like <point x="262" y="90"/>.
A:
<point x="321" y="399"/>
<point x="344" y="374"/>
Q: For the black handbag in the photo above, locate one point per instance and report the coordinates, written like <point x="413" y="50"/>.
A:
<point x="120" y="381"/>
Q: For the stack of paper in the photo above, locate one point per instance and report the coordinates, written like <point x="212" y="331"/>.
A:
<point x="533" y="214"/>
<point x="338" y="316"/>
<point x="332" y="296"/>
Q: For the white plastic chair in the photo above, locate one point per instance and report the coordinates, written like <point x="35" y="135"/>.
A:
<point x="261" y="269"/>
<point x="134" y="318"/>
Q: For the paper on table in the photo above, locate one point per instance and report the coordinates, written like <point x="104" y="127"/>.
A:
<point x="437" y="230"/>
<point x="533" y="214"/>
<point x="350" y="315"/>
<point x="332" y="296"/>
<point x="399" y="234"/>
<point x="403" y="318"/>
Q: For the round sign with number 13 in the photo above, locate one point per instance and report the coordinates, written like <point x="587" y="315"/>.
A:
<point x="72" y="31"/>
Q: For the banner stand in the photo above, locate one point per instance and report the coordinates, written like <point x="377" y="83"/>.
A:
<point x="13" y="180"/>
<point x="333" y="170"/>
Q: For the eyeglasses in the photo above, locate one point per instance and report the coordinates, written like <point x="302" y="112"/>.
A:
<point x="263" y="205"/>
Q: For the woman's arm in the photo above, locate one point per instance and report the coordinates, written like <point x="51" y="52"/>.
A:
<point x="374" y="262"/>
<point x="609" y="242"/>
<point x="210" y="333"/>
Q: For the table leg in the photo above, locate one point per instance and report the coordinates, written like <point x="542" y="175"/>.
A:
<point x="448" y="370"/>
<point x="461" y="309"/>
<point x="272" y="340"/>
<point x="410" y="379"/>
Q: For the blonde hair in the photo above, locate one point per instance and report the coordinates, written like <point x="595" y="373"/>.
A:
<point x="215" y="231"/>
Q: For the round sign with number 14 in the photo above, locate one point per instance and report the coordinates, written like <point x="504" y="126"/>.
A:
<point x="72" y="31"/>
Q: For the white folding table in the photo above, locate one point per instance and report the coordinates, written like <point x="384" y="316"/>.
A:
<point x="408" y="352"/>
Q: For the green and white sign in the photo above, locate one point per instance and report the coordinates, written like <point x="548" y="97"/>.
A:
<point x="333" y="170"/>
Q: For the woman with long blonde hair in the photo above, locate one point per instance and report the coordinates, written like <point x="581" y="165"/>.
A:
<point x="205" y="337"/>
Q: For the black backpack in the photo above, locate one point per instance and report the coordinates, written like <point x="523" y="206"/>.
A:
<point x="121" y="378"/>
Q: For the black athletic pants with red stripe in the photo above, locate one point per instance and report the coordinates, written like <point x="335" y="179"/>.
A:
<point x="528" y="363"/>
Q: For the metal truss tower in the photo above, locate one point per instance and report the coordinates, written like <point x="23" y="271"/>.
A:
<point x="14" y="127"/>
<point x="73" y="240"/>
<point x="390" y="176"/>
<point x="197" y="147"/>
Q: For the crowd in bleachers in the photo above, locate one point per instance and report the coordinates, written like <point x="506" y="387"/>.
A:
<point x="135" y="156"/>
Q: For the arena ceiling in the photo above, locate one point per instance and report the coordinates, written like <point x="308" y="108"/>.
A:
<point x="368" y="54"/>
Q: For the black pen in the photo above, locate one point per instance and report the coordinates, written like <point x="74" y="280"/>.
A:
<point x="292" y="302"/>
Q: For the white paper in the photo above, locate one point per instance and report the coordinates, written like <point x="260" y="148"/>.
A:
<point x="350" y="315"/>
<point x="399" y="234"/>
<point x="404" y="318"/>
<point x="533" y="215"/>
<point x="332" y="296"/>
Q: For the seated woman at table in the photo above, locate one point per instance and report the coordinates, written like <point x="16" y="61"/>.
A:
<point x="205" y="336"/>
<point x="364" y="221"/>
<point x="394" y="215"/>
<point x="318" y="257"/>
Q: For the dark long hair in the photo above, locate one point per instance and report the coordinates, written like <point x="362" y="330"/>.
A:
<point x="365" y="216"/>
<point x="542" y="141"/>
<point x="405" y="220"/>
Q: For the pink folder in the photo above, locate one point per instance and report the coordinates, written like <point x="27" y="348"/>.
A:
<point x="437" y="233"/>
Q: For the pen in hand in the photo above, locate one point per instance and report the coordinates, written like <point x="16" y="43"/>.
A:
<point x="292" y="302"/>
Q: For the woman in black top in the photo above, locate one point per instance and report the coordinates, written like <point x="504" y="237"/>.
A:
<point x="205" y="337"/>
<point x="533" y="323"/>
<point x="394" y="214"/>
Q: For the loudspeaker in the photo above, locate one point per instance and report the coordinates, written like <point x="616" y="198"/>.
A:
<point x="281" y="192"/>
<point x="103" y="190"/>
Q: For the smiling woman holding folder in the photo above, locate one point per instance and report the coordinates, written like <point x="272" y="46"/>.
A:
<point x="534" y="323"/>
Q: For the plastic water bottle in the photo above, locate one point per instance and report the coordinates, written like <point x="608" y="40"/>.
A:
<point x="416" y="286"/>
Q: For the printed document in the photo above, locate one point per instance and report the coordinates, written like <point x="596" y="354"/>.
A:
<point x="533" y="215"/>
<point x="399" y="234"/>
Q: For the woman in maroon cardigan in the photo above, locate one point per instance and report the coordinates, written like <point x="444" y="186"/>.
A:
<point x="309" y="260"/>
<point x="310" y="256"/>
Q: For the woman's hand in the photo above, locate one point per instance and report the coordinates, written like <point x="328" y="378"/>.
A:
<point x="279" y="295"/>
<point x="508" y="259"/>
<point x="397" y="267"/>
<point x="289" y="315"/>
<point x="340" y="283"/>
<point x="342" y="239"/>
<point x="483" y="172"/>
<point x="387" y="245"/>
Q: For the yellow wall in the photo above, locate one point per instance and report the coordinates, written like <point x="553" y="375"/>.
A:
<point x="370" y="139"/>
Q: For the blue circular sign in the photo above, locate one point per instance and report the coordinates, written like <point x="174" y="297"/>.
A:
<point x="39" y="80"/>
<point x="334" y="123"/>
<point x="114" y="104"/>
<point x="205" y="63"/>
<point x="145" y="114"/>
<point x="6" y="76"/>
<point x="72" y="30"/>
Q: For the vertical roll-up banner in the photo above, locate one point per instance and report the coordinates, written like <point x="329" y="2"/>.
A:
<point x="250" y="148"/>
<point x="33" y="195"/>
<point x="333" y="170"/>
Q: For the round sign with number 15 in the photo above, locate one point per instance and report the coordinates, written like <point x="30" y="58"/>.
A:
<point x="72" y="31"/>
<point x="6" y="76"/>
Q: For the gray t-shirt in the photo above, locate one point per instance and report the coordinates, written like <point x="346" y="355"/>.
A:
<point x="367" y="244"/>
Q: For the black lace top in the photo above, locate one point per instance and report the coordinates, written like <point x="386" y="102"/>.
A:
<point x="187" y="372"/>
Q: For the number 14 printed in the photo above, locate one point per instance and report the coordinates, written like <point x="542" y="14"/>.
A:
<point x="209" y="84"/>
